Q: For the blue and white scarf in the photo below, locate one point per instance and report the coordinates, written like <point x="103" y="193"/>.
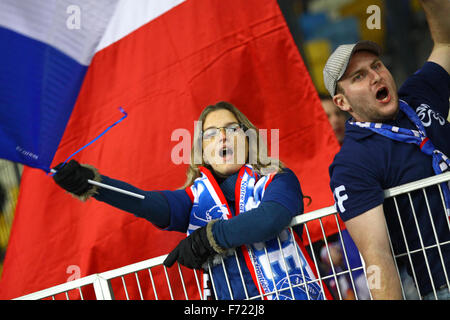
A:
<point x="440" y="162"/>
<point x="265" y="261"/>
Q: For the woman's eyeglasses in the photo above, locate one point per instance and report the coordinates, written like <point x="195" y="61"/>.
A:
<point x="231" y="129"/>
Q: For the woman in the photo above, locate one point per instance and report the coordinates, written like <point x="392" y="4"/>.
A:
<point x="234" y="204"/>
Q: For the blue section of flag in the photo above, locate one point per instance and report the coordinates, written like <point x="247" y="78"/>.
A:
<point x="38" y="89"/>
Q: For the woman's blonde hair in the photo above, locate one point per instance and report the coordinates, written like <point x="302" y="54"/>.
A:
<point x="257" y="151"/>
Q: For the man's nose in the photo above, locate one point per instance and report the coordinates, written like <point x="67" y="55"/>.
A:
<point x="375" y="76"/>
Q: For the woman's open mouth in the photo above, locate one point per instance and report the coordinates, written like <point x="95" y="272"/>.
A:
<point x="226" y="153"/>
<point x="383" y="95"/>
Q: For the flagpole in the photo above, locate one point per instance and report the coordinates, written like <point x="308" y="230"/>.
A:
<point x="107" y="186"/>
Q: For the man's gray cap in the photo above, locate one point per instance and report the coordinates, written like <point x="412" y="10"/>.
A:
<point x="338" y="61"/>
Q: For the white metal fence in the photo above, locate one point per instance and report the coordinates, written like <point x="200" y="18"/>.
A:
<point x="151" y="280"/>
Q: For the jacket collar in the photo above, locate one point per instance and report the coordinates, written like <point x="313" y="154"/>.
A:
<point x="227" y="185"/>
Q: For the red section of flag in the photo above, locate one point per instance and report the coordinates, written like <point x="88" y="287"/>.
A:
<point x="163" y="75"/>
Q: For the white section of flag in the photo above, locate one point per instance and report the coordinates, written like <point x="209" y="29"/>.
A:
<point x="131" y="15"/>
<point x="49" y="22"/>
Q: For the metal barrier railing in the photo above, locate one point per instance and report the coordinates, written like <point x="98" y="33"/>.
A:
<point x="151" y="280"/>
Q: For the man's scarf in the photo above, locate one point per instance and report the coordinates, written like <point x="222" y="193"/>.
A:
<point x="276" y="265"/>
<point x="440" y="162"/>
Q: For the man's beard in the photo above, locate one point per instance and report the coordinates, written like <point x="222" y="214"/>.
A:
<point x="371" y="114"/>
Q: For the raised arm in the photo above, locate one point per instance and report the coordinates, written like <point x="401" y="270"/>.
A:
<point x="165" y="209"/>
<point x="369" y="233"/>
<point x="438" y="17"/>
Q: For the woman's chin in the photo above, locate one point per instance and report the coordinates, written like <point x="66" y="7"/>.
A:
<point x="226" y="169"/>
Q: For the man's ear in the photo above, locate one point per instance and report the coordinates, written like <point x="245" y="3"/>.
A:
<point x="341" y="102"/>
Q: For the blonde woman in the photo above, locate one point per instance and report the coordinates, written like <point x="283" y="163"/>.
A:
<point x="235" y="207"/>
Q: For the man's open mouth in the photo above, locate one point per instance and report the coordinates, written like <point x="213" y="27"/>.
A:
<point x="383" y="95"/>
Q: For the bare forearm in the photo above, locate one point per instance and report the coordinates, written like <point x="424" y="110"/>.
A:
<point x="383" y="280"/>
<point x="438" y="13"/>
<point x="369" y="233"/>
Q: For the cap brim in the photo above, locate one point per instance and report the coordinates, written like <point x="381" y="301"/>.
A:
<point x="360" y="46"/>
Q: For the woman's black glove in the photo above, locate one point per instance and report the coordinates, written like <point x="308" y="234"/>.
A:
<point x="74" y="177"/>
<point x="195" y="250"/>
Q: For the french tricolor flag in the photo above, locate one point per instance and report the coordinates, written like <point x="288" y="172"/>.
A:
<point x="48" y="47"/>
<point x="67" y="65"/>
